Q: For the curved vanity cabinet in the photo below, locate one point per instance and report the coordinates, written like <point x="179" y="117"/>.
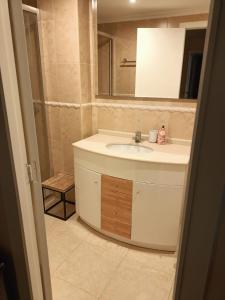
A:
<point x="88" y="196"/>
<point x="138" y="202"/>
<point x="156" y="214"/>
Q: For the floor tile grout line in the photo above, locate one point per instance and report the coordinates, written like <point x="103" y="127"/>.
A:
<point x="67" y="257"/>
<point x="118" y="258"/>
<point x="93" y="247"/>
<point x="78" y="287"/>
<point x="75" y="286"/>
<point x="112" y="276"/>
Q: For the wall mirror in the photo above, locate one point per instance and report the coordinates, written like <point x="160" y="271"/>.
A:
<point x="151" y="49"/>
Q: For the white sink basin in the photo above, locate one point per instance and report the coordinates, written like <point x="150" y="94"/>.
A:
<point x="129" y="148"/>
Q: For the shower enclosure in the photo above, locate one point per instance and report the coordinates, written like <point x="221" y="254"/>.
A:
<point x="34" y="59"/>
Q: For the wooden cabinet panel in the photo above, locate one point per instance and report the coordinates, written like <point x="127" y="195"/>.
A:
<point x="113" y="184"/>
<point x="115" y="227"/>
<point x="116" y="205"/>
<point x="108" y="210"/>
<point x="108" y="224"/>
<point x="123" y="230"/>
<point x="122" y="215"/>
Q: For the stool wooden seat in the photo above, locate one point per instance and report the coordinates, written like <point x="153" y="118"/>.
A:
<point x="61" y="183"/>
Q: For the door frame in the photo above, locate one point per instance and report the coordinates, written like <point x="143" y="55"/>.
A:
<point x="201" y="227"/>
<point x="20" y="159"/>
<point x="12" y="247"/>
<point x="27" y="111"/>
<point x="201" y="264"/>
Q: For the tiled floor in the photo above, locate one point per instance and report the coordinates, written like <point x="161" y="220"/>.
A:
<point x="86" y="266"/>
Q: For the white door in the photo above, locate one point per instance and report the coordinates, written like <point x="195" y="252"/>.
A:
<point x="156" y="214"/>
<point x="88" y="195"/>
<point x="19" y="110"/>
<point x="159" y="62"/>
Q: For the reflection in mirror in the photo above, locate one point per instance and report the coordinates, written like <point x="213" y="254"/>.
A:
<point x="159" y="62"/>
<point x="118" y="48"/>
<point x="192" y="63"/>
<point x="105" y="44"/>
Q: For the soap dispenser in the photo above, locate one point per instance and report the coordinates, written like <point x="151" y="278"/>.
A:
<point x="161" y="139"/>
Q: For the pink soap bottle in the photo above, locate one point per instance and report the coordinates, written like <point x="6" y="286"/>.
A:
<point x="161" y="139"/>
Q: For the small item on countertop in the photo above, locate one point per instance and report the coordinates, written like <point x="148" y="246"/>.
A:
<point x="153" y="134"/>
<point x="161" y="139"/>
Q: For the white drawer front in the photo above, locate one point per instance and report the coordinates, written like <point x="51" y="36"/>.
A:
<point x="169" y="174"/>
<point x="88" y="195"/>
<point x="156" y="215"/>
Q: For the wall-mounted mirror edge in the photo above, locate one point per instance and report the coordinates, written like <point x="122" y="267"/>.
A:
<point x="106" y="97"/>
<point x="187" y="91"/>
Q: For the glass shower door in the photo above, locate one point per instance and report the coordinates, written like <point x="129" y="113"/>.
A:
<point x="33" y="49"/>
<point x="104" y="65"/>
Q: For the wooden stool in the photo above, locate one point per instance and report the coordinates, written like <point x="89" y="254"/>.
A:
<point x="61" y="183"/>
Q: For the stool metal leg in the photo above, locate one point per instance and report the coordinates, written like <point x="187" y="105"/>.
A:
<point x="66" y="203"/>
<point x="43" y="195"/>
<point x="63" y="198"/>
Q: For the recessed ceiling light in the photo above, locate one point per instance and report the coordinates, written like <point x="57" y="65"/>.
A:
<point x="132" y="1"/>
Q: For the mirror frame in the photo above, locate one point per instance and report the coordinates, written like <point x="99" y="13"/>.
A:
<point x="188" y="26"/>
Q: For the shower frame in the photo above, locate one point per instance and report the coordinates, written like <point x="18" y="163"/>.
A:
<point x="31" y="9"/>
<point x="41" y="101"/>
<point x="111" y="41"/>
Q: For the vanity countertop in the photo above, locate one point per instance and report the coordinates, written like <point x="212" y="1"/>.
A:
<point x="169" y="153"/>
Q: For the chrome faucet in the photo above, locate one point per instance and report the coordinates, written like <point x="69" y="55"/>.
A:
<point x="137" y="137"/>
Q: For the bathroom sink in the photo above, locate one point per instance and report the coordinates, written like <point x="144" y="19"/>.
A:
<point x="129" y="148"/>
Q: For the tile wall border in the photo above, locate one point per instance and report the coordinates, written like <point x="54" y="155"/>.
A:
<point x="121" y="106"/>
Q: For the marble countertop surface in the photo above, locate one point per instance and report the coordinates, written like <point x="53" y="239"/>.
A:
<point x="170" y="153"/>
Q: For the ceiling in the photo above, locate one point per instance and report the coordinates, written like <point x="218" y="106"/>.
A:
<point x="121" y="10"/>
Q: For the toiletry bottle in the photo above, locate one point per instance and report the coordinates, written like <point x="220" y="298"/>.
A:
<point x="153" y="134"/>
<point x="161" y="139"/>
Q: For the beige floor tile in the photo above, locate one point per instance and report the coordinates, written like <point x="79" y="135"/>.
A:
<point x="49" y="223"/>
<point x="170" y="297"/>
<point x="88" y="265"/>
<point x="88" y="268"/>
<point x="111" y="248"/>
<point x="155" y="261"/>
<point x="146" y="289"/>
<point x="134" y="281"/>
<point x="62" y="239"/>
<point x="63" y="290"/>
<point x="81" y="229"/>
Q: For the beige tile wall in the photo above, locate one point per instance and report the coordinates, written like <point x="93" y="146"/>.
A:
<point x="64" y="129"/>
<point x="178" y="124"/>
<point x="85" y="54"/>
<point x="125" y="42"/>
<point x="66" y="58"/>
<point x="61" y="57"/>
<point x="68" y="30"/>
<point x="86" y="113"/>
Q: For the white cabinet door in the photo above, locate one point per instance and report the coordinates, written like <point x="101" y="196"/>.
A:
<point x="88" y="195"/>
<point x="156" y="215"/>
